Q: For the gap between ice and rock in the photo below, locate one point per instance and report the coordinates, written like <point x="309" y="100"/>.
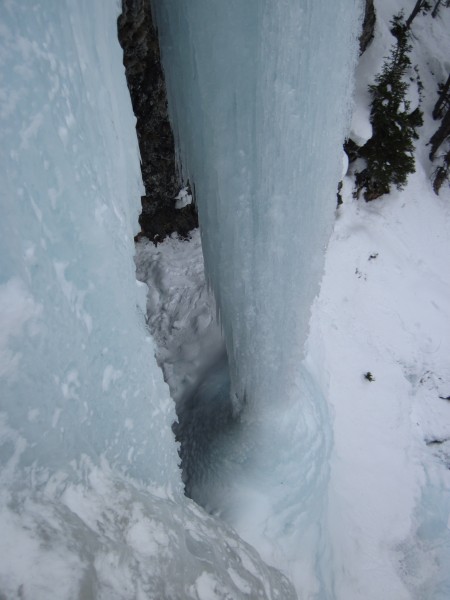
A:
<point x="163" y="211"/>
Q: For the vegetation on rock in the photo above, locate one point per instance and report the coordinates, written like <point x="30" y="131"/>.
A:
<point x="389" y="154"/>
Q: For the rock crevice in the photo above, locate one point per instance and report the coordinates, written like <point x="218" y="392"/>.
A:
<point x="145" y="78"/>
<point x="368" y="27"/>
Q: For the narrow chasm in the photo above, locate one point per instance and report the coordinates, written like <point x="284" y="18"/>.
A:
<point x="181" y="312"/>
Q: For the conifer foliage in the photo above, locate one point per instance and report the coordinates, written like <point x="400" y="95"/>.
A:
<point x="389" y="154"/>
<point x="420" y="7"/>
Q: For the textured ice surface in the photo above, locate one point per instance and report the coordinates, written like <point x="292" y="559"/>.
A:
<point x="74" y="370"/>
<point x="259" y="98"/>
<point x="91" y="502"/>
<point x="258" y="93"/>
<point x="105" y="537"/>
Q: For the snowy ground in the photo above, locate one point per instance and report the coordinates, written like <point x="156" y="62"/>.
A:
<point x="384" y="308"/>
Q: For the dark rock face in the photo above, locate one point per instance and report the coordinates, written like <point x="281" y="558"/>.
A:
<point x="351" y="149"/>
<point x="141" y="58"/>
<point x="368" y="27"/>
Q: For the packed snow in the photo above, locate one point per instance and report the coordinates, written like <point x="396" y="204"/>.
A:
<point x="384" y="308"/>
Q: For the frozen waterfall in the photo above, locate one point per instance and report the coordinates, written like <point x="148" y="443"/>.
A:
<point x="91" y="503"/>
<point x="259" y="96"/>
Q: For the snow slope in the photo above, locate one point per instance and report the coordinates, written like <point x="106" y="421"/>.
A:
<point x="384" y="307"/>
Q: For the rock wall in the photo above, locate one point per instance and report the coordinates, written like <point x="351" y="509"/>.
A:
<point x="368" y="27"/>
<point x="139" y="40"/>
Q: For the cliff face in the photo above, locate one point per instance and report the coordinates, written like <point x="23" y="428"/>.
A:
<point x="368" y="27"/>
<point x="139" y="40"/>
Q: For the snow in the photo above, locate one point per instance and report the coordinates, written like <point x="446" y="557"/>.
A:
<point x="105" y="537"/>
<point x="361" y="128"/>
<point x="181" y="311"/>
<point x="378" y="316"/>
<point x="183" y="198"/>
<point x="384" y="307"/>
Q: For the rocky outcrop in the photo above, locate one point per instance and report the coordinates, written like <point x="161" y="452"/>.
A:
<point x="368" y="27"/>
<point x="141" y="58"/>
<point x="351" y="149"/>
